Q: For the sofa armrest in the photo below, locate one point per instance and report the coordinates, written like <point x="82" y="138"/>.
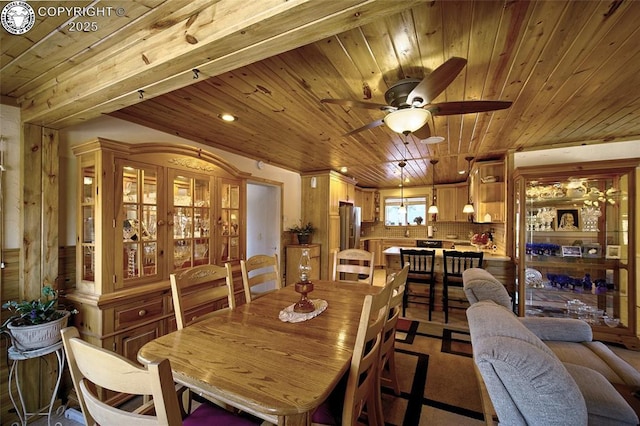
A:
<point x="563" y="329"/>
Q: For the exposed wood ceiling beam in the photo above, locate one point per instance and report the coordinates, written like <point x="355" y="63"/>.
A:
<point x="214" y="38"/>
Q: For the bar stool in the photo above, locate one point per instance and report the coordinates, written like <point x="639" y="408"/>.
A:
<point x="455" y="263"/>
<point x="421" y="272"/>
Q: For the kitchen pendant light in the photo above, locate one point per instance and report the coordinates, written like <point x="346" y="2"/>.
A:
<point x="468" y="208"/>
<point x="403" y="208"/>
<point x="433" y="208"/>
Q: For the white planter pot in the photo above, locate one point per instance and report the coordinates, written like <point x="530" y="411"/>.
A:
<point x="29" y="337"/>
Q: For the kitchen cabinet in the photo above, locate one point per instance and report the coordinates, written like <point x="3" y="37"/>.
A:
<point x="366" y="200"/>
<point x="489" y="191"/>
<point x="145" y="211"/>
<point x="294" y="252"/>
<point x="375" y="246"/>
<point x="451" y="199"/>
<point x="320" y="206"/>
<point x="575" y="228"/>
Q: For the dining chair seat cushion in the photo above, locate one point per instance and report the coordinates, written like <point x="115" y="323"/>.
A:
<point x="324" y="415"/>
<point x="206" y="414"/>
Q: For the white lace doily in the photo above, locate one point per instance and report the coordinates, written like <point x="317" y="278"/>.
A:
<point x="288" y="315"/>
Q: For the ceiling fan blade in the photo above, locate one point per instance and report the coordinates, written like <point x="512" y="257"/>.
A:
<point x="467" y="107"/>
<point x="435" y="83"/>
<point x="423" y="132"/>
<point x="357" y="104"/>
<point x="366" y="127"/>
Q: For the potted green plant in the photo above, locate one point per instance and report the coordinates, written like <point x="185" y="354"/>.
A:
<point x="418" y="220"/>
<point x="36" y="323"/>
<point x="303" y="232"/>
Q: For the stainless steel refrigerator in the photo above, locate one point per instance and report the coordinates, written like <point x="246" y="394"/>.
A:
<point x="350" y="218"/>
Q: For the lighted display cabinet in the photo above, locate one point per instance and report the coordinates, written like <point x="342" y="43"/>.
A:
<point x="145" y="211"/>
<point x="575" y="244"/>
<point x="489" y="191"/>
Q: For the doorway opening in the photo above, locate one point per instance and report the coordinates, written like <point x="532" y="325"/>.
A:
<point x="264" y="219"/>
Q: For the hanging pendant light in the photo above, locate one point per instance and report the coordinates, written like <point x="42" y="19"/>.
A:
<point x="468" y="208"/>
<point x="403" y="208"/>
<point x="433" y="208"/>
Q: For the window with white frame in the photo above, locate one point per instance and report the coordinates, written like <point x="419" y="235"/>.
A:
<point x="416" y="211"/>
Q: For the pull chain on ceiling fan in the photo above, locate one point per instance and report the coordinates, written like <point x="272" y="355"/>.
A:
<point x="409" y="102"/>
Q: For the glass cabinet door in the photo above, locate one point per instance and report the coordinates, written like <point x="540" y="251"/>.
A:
<point x="139" y="220"/>
<point x="572" y="247"/>
<point x="191" y="220"/>
<point x="229" y="222"/>
<point x="87" y="232"/>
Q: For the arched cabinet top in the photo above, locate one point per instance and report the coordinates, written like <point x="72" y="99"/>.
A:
<point x="173" y="155"/>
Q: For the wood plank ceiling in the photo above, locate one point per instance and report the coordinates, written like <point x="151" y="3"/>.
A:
<point x="571" y="69"/>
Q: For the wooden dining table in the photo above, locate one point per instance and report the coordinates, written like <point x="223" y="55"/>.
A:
<point x="250" y="359"/>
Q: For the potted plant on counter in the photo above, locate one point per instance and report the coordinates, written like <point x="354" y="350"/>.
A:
<point x="303" y="232"/>
<point x="37" y="323"/>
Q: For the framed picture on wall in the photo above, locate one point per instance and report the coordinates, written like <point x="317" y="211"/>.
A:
<point x="571" y="251"/>
<point x="568" y="220"/>
<point x="613" y="252"/>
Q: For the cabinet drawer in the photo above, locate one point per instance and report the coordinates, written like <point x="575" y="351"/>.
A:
<point x="136" y="313"/>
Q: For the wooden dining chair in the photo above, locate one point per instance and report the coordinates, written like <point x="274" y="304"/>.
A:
<point x="362" y="389"/>
<point x="196" y="294"/>
<point x="421" y="273"/>
<point x="260" y="270"/>
<point x="353" y="265"/>
<point x="455" y="263"/>
<point x="91" y="367"/>
<point x="388" y="373"/>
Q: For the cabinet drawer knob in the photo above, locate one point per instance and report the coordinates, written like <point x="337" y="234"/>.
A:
<point x="160" y="222"/>
<point x="142" y="312"/>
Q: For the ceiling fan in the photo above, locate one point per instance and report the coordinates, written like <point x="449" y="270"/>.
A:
<point x="409" y="104"/>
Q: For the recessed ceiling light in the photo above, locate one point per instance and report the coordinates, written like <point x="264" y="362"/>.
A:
<point x="227" y="117"/>
<point x="343" y="169"/>
<point x="461" y="172"/>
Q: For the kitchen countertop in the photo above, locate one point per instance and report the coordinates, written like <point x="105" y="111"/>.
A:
<point x="395" y="251"/>
<point x="460" y="241"/>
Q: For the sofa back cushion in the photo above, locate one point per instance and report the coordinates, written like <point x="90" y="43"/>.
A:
<point x="479" y="284"/>
<point x="526" y="382"/>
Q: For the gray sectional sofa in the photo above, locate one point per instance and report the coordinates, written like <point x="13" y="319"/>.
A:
<point x="543" y="371"/>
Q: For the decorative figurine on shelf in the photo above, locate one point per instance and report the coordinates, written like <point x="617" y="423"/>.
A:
<point x="586" y="282"/>
<point x="304" y="286"/>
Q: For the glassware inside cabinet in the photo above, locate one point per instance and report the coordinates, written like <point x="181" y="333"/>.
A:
<point x="139" y="222"/>
<point x="573" y="242"/>
<point x="191" y="221"/>
<point x="88" y="231"/>
<point x="229" y="222"/>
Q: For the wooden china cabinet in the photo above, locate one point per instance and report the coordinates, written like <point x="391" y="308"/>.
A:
<point x="575" y="243"/>
<point x="143" y="212"/>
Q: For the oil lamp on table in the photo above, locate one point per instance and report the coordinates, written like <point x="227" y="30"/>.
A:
<point x="304" y="286"/>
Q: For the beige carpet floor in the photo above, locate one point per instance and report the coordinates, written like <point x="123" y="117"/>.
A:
<point x="437" y="381"/>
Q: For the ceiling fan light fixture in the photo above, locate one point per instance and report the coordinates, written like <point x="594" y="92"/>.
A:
<point x="407" y="120"/>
